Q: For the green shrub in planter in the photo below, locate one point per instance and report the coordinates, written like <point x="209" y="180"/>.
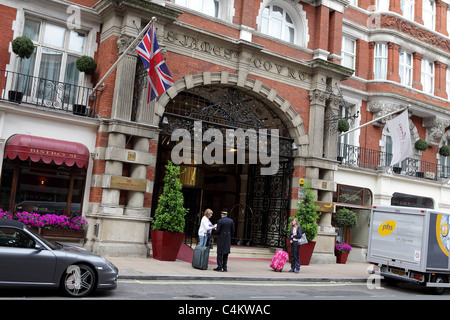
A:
<point x="306" y="213"/>
<point x="343" y="125"/>
<point x="23" y="47"/>
<point x="170" y="212"/>
<point x="86" y="64"/>
<point x="444" y="151"/>
<point x="421" y="145"/>
<point x="345" y="218"/>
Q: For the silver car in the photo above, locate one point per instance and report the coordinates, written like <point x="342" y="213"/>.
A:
<point x="27" y="259"/>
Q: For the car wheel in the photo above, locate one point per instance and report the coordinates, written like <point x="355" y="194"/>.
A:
<point x="78" y="281"/>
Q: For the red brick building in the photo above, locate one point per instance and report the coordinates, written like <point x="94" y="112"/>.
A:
<point x="295" y="66"/>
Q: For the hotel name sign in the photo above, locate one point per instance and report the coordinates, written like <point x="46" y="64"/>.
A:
<point x="199" y="45"/>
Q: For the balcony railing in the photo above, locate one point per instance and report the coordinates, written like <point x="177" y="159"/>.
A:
<point x="354" y="156"/>
<point x="41" y="92"/>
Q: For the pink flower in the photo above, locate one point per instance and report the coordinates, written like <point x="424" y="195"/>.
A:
<point x="49" y="220"/>
<point x="342" y="247"/>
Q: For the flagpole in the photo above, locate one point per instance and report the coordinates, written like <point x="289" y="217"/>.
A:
<point x="378" y="119"/>
<point x="132" y="45"/>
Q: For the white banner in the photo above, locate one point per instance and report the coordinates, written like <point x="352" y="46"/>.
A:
<point x="401" y="137"/>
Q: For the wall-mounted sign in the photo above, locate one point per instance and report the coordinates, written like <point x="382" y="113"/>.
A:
<point x="125" y="183"/>
<point x="131" y="156"/>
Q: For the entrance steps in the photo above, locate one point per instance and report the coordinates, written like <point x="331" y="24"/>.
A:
<point x="247" y="252"/>
<point x="238" y="252"/>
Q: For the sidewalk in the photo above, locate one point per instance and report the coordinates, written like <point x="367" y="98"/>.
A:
<point x="242" y="269"/>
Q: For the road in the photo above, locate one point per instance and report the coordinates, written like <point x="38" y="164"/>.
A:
<point x="176" y="290"/>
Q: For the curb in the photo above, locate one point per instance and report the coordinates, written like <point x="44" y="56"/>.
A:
<point x="241" y="278"/>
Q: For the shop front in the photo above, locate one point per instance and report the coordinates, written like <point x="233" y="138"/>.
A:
<point x="42" y="175"/>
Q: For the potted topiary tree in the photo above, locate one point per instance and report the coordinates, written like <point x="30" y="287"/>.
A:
<point x="86" y="65"/>
<point x="307" y="216"/>
<point x="168" y="224"/>
<point x="344" y="219"/>
<point x="23" y="47"/>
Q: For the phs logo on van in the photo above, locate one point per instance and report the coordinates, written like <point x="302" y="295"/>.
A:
<point x="386" y="227"/>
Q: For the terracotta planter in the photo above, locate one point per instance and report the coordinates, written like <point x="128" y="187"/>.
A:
<point x="62" y="233"/>
<point x="341" y="257"/>
<point x="306" y="251"/>
<point x="165" y="245"/>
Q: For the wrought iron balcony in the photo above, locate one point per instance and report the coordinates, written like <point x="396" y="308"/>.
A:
<point x="353" y="156"/>
<point x="41" y="92"/>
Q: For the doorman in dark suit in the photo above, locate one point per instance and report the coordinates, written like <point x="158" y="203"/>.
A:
<point x="225" y="228"/>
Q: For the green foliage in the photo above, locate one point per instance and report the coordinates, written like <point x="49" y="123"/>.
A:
<point x="345" y="218"/>
<point x="306" y="213"/>
<point x="343" y="125"/>
<point x="86" y="64"/>
<point x="169" y="214"/>
<point x="444" y="151"/>
<point x="421" y="145"/>
<point x="23" y="47"/>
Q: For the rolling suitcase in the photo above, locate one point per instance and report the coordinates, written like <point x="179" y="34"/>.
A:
<point x="279" y="260"/>
<point x="201" y="257"/>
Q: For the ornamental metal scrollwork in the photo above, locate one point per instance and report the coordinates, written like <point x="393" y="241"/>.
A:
<point x="337" y="99"/>
<point x="224" y="108"/>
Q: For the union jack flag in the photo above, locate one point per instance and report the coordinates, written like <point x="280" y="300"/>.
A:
<point x="159" y="77"/>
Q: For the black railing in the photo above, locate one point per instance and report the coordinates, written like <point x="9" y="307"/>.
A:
<point x="41" y="92"/>
<point x="360" y="157"/>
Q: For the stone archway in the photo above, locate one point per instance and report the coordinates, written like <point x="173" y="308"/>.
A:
<point x="267" y="95"/>
<point x="293" y="127"/>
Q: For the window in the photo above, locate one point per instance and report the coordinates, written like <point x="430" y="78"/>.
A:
<point x="348" y="52"/>
<point x="429" y="13"/>
<point x="427" y="76"/>
<point x="53" y="60"/>
<point x="276" y="22"/>
<point x="405" y="68"/>
<point x="353" y="195"/>
<point x="209" y="7"/>
<point x="444" y="162"/>
<point x="41" y="188"/>
<point x="409" y="200"/>
<point x="383" y="5"/>
<point x="12" y="237"/>
<point x="380" y="61"/>
<point x="407" y="7"/>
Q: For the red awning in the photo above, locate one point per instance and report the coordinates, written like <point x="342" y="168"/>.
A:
<point x="47" y="150"/>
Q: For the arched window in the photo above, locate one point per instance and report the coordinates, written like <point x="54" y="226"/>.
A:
<point x="276" y="22"/>
<point x="209" y="7"/>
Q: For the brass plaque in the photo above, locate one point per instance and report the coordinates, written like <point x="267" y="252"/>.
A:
<point x="131" y="156"/>
<point x="124" y="183"/>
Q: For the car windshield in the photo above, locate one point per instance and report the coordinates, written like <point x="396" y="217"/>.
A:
<point x="52" y="245"/>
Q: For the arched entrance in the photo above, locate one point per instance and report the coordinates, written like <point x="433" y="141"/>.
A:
<point x="258" y="203"/>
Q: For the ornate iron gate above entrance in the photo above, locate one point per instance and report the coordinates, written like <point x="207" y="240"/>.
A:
<point x="268" y="197"/>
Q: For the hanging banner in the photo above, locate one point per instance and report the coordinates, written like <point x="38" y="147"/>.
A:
<point x="401" y="137"/>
